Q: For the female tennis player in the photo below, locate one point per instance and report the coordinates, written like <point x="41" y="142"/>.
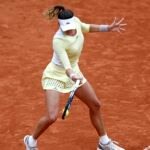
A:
<point x="61" y="73"/>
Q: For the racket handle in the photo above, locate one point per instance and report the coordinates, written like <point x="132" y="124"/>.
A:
<point x="77" y="83"/>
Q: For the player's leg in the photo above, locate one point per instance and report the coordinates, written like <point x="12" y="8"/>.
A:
<point x="52" y="104"/>
<point x="86" y="94"/>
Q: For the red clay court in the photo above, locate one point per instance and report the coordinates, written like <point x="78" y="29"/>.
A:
<point x="117" y="65"/>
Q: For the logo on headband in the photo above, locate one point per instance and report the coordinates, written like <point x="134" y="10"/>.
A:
<point x="67" y="22"/>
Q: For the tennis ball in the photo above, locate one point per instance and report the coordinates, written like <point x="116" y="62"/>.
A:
<point x="67" y="112"/>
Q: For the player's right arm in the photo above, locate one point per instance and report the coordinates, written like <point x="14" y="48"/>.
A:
<point x="60" y="50"/>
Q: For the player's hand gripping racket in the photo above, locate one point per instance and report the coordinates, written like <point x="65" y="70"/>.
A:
<point x="70" y="99"/>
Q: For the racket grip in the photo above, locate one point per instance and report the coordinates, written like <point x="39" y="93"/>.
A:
<point x="77" y="83"/>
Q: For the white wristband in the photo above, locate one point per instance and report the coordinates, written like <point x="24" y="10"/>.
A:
<point x="103" y="28"/>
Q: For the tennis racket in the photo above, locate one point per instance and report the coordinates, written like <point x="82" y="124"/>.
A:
<point x="70" y="99"/>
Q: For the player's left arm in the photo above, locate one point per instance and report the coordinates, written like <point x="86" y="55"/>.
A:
<point x="116" y="25"/>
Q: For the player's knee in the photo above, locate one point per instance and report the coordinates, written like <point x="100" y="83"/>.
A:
<point x="52" y="117"/>
<point x="96" y="105"/>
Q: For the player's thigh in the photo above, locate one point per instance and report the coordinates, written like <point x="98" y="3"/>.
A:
<point x="87" y="94"/>
<point x="52" y="98"/>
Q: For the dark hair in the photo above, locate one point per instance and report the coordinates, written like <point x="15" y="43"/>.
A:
<point x="58" y="11"/>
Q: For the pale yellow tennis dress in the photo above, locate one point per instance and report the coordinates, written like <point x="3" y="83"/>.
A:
<point x="66" y="53"/>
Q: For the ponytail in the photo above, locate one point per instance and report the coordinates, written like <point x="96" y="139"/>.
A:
<point x="53" y="12"/>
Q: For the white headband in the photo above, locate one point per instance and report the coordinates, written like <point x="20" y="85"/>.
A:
<point x="67" y="24"/>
